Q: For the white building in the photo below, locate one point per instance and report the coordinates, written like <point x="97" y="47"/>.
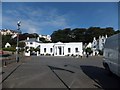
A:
<point x="56" y="49"/>
<point x="7" y="32"/>
<point x="7" y="45"/>
<point x="89" y="45"/>
<point x="102" y="40"/>
<point x="61" y="49"/>
<point x="98" y="44"/>
<point x="32" y="42"/>
<point x="47" y="37"/>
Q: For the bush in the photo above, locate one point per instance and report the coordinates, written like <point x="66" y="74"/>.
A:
<point x="21" y="50"/>
<point x="47" y="54"/>
<point x="89" y="50"/>
<point x="12" y="49"/>
<point x="100" y="52"/>
<point x="68" y="55"/>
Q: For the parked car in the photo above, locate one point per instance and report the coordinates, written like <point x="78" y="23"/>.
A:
<point x="111" y="54"/>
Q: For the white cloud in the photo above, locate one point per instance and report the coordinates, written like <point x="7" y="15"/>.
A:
<point x="34" y="20"/>
<point x="33" y="30"/>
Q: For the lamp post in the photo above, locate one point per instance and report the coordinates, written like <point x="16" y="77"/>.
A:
<point x="17" y="49"/>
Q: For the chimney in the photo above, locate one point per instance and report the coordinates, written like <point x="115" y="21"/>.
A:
<point x="27" y="38"/>
<point x="94" y="38"/>
<point x="105" y="36"/>
<point x="99" y="37"/>
<point x="38" y="39"/>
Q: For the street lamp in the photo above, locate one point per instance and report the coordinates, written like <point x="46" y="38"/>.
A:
<point x="18" y="31"/>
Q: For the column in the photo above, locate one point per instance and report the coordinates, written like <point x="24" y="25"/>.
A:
<point x="56" y="50"/>
<point x="63" y="50"/>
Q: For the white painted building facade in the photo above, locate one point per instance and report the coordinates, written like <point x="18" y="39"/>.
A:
<point x="61" y="49"/>
<point x="7" y="32"/>
<point x="98" y="44"/>
<point x="7" y="45"/>
<point x="46" y="37"/>
<point x="56" y="49"/>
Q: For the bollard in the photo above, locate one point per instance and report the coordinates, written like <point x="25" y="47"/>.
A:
<point x="81" y="56"/>
<point x="5" y="64"/>
<point x="17" y="59"/>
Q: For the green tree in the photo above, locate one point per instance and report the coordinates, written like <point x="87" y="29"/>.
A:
<point x="7" y="38"/>
<point x="81" y="34"/>
<point x="88" y="50"/>
<point x="61" y="35"/>
<point x="21" y="44"/>
<point x="116" y="32"/>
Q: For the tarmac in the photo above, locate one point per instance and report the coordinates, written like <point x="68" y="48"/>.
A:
<point x="57" y="72"/>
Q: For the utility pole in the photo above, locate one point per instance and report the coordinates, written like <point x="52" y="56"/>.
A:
<point x="17" y="48"/>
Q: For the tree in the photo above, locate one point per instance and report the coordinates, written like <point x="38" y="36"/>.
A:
<point x="81" y="34"/>
<point x="109" y="31"/>
<point x="21" y="44"/>
<point x="61" y="35"/>
<point x="88" y="50"/>
<point x="116" y="32"/>
<point x="7" y="38"/>
<point x="12" y="49"/>
<point x="44" y="40"/>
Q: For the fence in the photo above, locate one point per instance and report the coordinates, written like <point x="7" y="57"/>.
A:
<point x="7" y="59"/>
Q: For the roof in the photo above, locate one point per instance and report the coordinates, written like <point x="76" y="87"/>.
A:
<point x="33" y="40"/>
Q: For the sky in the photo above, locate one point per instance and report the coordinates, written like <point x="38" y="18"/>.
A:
<point x="46" y="17"/>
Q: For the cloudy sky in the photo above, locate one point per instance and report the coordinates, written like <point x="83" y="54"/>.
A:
<point x="46" y="17"/>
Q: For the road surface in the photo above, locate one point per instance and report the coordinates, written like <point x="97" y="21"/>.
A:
<point x="60" y="72"/>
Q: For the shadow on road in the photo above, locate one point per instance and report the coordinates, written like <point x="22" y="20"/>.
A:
<point x="100" y="76"/>
<point x="56" y="68"/>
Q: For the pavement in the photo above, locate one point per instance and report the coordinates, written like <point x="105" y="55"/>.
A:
<point x="58" y="72"/>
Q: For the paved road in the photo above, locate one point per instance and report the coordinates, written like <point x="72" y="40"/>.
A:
<point x="60" y="72"/>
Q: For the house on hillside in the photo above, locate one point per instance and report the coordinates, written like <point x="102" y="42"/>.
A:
<point x="46" y="37"/>
<point x="8" y="32"/>
<point x="7" y="45"/>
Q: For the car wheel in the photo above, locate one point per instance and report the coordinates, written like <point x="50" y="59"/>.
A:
<point x="108" y="70"/>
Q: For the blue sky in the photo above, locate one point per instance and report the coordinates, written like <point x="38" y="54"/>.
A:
<point x="46" y="17"/>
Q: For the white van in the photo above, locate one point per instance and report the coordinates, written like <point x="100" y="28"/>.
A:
<point x="111" y="60"/>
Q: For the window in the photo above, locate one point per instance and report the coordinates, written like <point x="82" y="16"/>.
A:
<point x="69" y="50"/>
<point x="102" y="40"/>
<point x="44" y="49"/>
<point x="76" y="49"/>
<point x="50" y="49"/>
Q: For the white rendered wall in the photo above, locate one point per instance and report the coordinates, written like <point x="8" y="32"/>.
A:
<point x="55" y="48"/>
<point x="72" y="46"/>
<point x="34" y="44"/>
<point x="47" y="46"/>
